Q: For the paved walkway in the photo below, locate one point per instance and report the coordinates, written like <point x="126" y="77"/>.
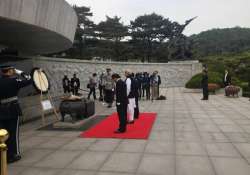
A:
<point x="189" y="137"/>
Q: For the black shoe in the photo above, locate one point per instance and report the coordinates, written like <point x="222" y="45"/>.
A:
<point x="14" y="159"/>
<point x="118" y="131"/>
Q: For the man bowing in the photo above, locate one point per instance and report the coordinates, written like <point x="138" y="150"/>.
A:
<point x="121" y="103"/>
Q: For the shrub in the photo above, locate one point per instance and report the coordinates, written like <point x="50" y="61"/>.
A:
<point x="236" y="81"/>
<point x="245" y="89"/>
<point x="213" y="77"/>
<point x="244" y="85"/>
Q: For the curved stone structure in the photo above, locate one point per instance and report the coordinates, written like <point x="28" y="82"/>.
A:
<point x="37" y="26"/>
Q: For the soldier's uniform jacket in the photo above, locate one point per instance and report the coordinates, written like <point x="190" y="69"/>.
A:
<point x="204" y="80"/>
<point x="9" y="87"/>
<point x="108" y="82"/>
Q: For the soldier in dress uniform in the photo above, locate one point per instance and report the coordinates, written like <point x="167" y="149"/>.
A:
<point x="11" y="82"/>
<point x="75" y="85"/>
<point x="109" y="86"/>
<point x="204" y="84"/>
<point x="66" y="84"/>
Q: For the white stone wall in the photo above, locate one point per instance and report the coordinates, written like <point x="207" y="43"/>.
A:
<point x="173" y="74"/>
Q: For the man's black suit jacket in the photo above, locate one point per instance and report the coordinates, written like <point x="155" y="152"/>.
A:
<point x="121" y="93"/>
<point x="228" y="80"/>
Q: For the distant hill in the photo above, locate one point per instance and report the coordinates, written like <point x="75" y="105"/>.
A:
<point x="221" y="41"/>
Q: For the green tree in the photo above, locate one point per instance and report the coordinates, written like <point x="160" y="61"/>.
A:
<point x="221" y="41"/>
<point x="157" y="37"/>
<point x="113" y="31"/>
<point x="85" y="27"/>
<point x="147" y="30"/>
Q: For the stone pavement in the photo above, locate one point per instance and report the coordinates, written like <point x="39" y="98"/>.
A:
<point x="189" y="137"/>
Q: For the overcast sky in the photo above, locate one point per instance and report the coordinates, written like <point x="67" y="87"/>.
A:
<point x="211" y="13"/>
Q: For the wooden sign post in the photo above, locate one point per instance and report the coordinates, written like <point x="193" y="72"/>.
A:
<point x="45" y="97"/>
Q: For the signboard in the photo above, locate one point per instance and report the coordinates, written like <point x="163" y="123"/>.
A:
<point x="46" y="104"/>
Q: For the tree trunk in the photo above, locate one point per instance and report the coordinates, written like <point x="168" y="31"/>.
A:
<point x="149" y="50"/>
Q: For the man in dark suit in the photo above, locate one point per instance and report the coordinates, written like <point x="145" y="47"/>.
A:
<point x="66" y="84"/>
<point x="137" y="95"/>
<point x="159" y="83"/>
<point x="146" y="85"/>
<point x="121" y="103"/>
<point x="227" y="79"/>
<point x="75" y="84"/>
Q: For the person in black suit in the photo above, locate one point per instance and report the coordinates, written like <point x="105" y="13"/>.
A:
<point x="204" y="84"/>
<point x="75" y="84"/>
<point x="137" y="95"/>
<point x="227" y="79"/>
<point x="121" y="103"/>
<point x="147" y="79"/>
<point x="66" y="84"/>
<point x="159" y="83"/>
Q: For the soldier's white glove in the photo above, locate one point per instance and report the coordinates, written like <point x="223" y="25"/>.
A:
<point x="19" y="72"/>
<point x="28" y="77"/>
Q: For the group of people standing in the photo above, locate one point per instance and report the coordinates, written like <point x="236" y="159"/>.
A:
<point x="204" y="81"/>
<point x="127" y="92"/>
<point x="72" y="85"/>
<point x="127" y="99"/>
<point x="148" y="85"/>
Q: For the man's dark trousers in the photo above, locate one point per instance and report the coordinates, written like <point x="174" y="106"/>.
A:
<point x="205" y="92"/>
<point x="12" y="126"/>
<point x="136" y="113"/>
<point x="122" y="114"/>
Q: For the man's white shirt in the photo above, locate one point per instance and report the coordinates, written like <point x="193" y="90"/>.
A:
<point x="225" y="78"/>
<point x="128" y="84"/>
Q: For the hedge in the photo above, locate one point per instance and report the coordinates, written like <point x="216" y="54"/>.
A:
<point x="213" y="77"/>
<point x="245" y="89"/>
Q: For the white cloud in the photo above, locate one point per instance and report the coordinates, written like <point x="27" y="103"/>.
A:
<point x="211" y="13"/>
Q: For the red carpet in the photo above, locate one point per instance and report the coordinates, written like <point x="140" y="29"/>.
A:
<point x="139" y="130"/>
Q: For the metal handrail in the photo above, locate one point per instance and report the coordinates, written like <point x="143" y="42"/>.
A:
<point x="3" y="151"/>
